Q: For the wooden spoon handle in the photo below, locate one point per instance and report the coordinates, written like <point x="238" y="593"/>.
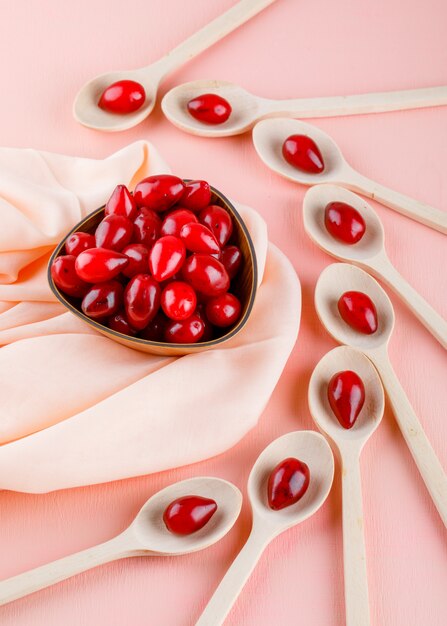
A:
<point x="360" y="103"/>
<point x="354" y="555"/>
<point x="434" y="323"/>
<point x="208" y="35"/>
<point x="418" y="211"/>
<point x="51" y="573"/>
<point x="421" y="450"/>
<point x="232" y="583"/>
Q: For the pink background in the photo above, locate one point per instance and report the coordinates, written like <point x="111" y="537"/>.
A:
<point x="48" y="49"/>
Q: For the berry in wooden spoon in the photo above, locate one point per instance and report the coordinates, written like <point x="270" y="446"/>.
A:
<point x="122" y="97"/>
<point x="344" y="222"/>
<point x="358" y="311"/>
<point x="209" y="108"/>
<point x="287" y="483"/>
<point x="302" y="152"/>
<point x="346" y="395"/>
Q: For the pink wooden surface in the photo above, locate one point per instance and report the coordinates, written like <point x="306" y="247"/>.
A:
<point x="48" y="49"/>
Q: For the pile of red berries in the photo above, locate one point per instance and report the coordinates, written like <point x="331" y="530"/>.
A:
<point x="158" y="266"/>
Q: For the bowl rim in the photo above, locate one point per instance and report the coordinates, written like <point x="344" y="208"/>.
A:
<point x="162" y="344"/>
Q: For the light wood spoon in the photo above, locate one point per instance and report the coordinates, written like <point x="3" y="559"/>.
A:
<point x="146" y="536"/>
<point x="85" y="107"/>
<point x="368" y="253"/>
<point x="332" y="283"/>
<point x="307" y="446"/>
<point x="349" y="444"/>
<point x="247" y="109"/>
<point x="269" y="136"/>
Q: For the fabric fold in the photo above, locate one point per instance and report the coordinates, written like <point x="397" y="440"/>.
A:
<point x="79" y="408"/>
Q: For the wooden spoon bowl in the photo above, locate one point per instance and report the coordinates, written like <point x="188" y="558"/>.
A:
<point x="244" y="286"/>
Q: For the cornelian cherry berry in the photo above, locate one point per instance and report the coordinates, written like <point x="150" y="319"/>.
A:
<point x="209" y="108"/>
<point x="119" y="323"/>
<point x="303" y="153"/>
<point x="141" y="300"/>
<point x="103" y="299"/>
<point x="231" y="258"/>
<point x="65" y="277"/>
<point x="97" y="264"/>
<point x="166" y="257"/>
<point x="155" y="330"/>
<point x="147" y="227"/>
<point x="218" y="221"/>
<point x="175" y="220"/>
<point x="199" y="238"/>
<point x="358" y="310"/>
<point x="184" y="331"/>
<point x="114" y="232"/>
<point x="78" y="242"/>
<point x="121" y="202"/>
<point x="196" y="196"/>
<point x="124" y="96"/>
<point x="344" y="222"/>
<point x="346" y="395"/>
<point x="159" y="192"/>
<point x="206" y="275"/>
<point x="189" y="514"/>
<point x="287" y="483"/>
<point x="224" y="310"/>
<point x="178" y="300"/>
<point x="138" y="256"/>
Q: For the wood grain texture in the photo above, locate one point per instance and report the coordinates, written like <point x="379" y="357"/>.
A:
<point x="324" y="48"/>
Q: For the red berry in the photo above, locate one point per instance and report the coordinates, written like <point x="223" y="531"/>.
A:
<point x="196" y="196"/>
<point x="231" y="258"/>
<point x="138" y="256"/>
<point x="64" y="275"/>
<point x="155" y="330"/>
<point x="302" y="152"/>
<point x="178" y="300"/>
<point x="121" y="202"/>
<point x="103" y="300"/>
<point x="199" y="238"/>
<point x="158" y="192"/>
<point x="114" y="232"/>
<point x="97" y="264"/>
<point x="119" y="323"/>
<point x="124" y="96"/>
<point x="78" y="242"/>
<point x="166" y="257"/>
<point x="208" y="333"/>
<point x="358" y="310"/>
<point x="206" y="274"/>
<point x="287" y="483"/>
<point x="218" y="221"/>
<point x="184" y="331"/>
<point x="175" y="220"/>
<point x="188" y="514"/>
<point x="346" y="395"/>
<point x="210" y="108"/>
<point x="146" y="227"/>
<point x="344" y="222"/>
<point x="141" y="300"/>
<point x="224" y="310"/>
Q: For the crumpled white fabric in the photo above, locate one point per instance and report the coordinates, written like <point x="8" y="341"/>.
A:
<point x="77" y="408"/>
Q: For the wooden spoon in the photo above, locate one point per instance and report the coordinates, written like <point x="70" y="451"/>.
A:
<point x="85" y="108"/>
<point x="269" y="136"/>
<point x="332" y="283"/>
<point x="368" y="253"/>
<point x="307" y="446"/>
<point x="349" y="444"/>
<point x="247" y="109"/>
<point x="146" y="536"/>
